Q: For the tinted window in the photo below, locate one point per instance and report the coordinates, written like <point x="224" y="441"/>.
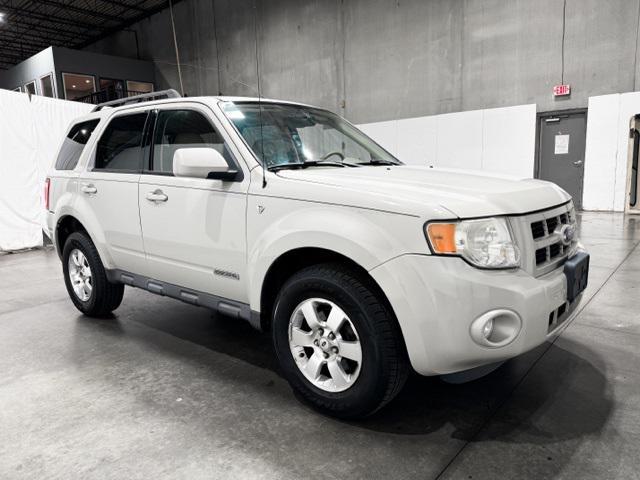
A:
<point x="182" y="129"/>
<point x="73" y="145"/>
<point x="119" y="148"/>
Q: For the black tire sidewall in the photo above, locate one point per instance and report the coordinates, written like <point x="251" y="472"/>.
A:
<point x="369" y="388"/>
<point x="78" y="241"/>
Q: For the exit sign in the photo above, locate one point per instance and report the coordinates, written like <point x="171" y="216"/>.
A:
<point x="561" y="90"/>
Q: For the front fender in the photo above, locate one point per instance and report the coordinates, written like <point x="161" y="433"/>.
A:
<point x="367" y="237"/>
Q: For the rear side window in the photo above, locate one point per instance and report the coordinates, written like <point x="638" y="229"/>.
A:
<point x="73" y="145"/>
<point x="120" y="146"/>
<point x="183" y="129"/>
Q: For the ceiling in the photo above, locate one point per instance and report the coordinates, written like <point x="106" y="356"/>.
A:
<point x="29" y="26"/>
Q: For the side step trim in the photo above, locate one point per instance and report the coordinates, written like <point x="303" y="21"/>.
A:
<point x="223" y="305"/>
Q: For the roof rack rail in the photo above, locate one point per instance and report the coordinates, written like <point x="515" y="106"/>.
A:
<point x="144" y="97"/>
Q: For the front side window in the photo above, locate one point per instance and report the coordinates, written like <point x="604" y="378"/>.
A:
<point x="120" y="147"/>
<point x="182" y="129"/>
<point x="74" y="143"/>
<point x="293" y="135"/>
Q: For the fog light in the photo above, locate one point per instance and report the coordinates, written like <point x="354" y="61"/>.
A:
<point x="487" y="330"/>
<point x="496" y="328"/>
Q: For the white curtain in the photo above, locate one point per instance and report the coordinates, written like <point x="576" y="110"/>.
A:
<point x="31" y="130"/>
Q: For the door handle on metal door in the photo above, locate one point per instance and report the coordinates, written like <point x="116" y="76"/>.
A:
<point x="89" y="189"/>
<point x="157" y="196"/>
<point x="577" y="163"/>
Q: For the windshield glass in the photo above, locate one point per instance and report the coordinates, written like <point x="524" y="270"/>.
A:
<point x="289" y="135"/>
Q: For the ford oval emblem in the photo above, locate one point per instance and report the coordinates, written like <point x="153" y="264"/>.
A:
<point x="567" y="233"/>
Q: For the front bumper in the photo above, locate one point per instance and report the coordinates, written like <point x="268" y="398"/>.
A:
<point x="436" y="299"/>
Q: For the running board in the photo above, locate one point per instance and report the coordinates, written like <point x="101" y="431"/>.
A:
<point x="227" y="307"/>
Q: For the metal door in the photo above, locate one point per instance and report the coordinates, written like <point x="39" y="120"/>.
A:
<point x="561" y="152"/>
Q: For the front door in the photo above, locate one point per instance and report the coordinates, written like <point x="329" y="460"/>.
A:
<point x="561" y="152"/>
<point x="194" y="229"/>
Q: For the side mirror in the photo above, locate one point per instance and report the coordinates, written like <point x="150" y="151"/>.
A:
<point x="202" y="162"/>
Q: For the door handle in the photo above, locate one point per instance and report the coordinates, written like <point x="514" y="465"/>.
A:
<point x="89" y="189"/>
<point x="157" y="196"/>
<point x="577" y="163"/>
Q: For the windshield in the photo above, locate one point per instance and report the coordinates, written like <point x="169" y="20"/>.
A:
<point x="291" y="135"/>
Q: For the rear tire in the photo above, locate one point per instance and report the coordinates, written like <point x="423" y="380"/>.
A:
<point x="319" y="353"/>
<point x="84" y="275"/>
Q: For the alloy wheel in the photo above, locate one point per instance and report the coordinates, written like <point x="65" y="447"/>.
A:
<point x="325" y="345"/>
<point x="80" y="274"/>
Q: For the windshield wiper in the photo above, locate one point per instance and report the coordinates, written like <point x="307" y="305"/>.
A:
<point x="308" y="163"/>
<point x="378" y="161"/>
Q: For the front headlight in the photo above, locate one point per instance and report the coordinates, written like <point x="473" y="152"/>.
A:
<point x="485" y="243"/>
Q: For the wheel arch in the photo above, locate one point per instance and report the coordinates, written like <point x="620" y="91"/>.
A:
<point x="294" y="260"/>
<point x="65" y="226"/>
<point x="68" y="224"/>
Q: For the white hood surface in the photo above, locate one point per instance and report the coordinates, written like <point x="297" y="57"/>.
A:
<point x="417" y="190"/>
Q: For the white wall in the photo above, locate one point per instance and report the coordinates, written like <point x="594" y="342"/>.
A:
<point x="31" y="130"/>
<point x="498" y="140"/>
<point x="502" y="140"/>
<point x="606" y="155"/>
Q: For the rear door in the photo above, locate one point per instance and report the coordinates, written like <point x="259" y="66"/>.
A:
<point x="109" y="189"/>
<point x="194" y="229"/>
<point x="64" y="175"/>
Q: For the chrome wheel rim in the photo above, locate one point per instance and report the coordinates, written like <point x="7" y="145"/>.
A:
<point x="325" y="345"/>
<point x="80" y="275"/>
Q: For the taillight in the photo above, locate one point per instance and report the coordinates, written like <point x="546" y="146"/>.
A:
<point x="47" y="188"/>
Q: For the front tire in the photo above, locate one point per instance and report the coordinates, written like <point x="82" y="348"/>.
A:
<point x="86" y="280"/>
<point x="337" y="342"/>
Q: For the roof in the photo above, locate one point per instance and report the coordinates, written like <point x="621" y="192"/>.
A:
<point x="108" y="110"/>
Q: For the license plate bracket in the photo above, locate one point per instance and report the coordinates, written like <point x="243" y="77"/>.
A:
<point x="576" y="269"/>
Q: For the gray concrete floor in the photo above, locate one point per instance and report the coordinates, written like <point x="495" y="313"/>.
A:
<point x="166" y="390"/>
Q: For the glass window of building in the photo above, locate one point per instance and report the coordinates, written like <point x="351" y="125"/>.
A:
<point x="110" y="89"/>
<point x="30" y="88"/>
<point x="77" y="85"/>
<point x="46" y="86"/>
<point x="136" y="88"/>
<point x="111" y="84"/>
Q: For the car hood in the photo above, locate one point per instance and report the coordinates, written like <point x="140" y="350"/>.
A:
<point x="421" y="191"/>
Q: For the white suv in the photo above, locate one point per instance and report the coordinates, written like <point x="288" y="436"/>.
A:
<point x="289" y="217"/>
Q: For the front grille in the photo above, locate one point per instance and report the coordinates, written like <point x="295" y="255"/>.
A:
<point x="537" y="229"/>
<point x="542" y="239"/>
<point x="561" y="309"/>
<point x="557" y="317"/>
<point x="547" y="254"/>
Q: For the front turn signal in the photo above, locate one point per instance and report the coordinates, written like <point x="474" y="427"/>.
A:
<point x="442" y="237"/>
